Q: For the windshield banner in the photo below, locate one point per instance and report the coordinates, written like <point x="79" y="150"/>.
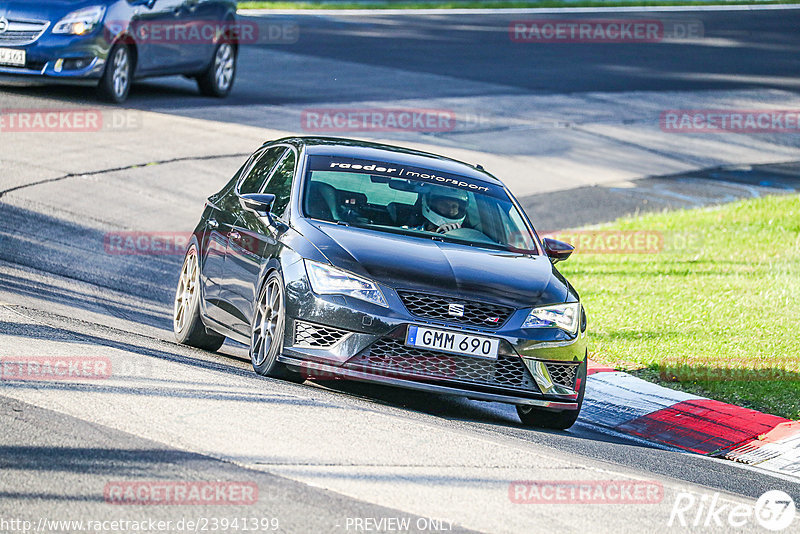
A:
<point x="396" y="170"/>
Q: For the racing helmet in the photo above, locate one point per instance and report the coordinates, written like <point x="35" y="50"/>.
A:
<point x="445" y="206"/>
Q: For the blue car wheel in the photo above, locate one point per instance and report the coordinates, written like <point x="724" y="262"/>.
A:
<point x="116" y="81"/>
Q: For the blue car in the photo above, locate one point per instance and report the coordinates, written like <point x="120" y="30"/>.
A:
<point x="110" y="43"/>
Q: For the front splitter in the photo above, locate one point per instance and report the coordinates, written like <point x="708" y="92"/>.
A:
<point x="315" y="368"/>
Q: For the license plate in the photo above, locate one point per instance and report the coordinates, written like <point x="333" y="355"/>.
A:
<point x="12" y="56"/>
<point x="455" y="342"/>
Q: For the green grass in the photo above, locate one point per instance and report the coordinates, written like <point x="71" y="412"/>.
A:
<point x="498" y="4"/>
<point x="728" y="304"/>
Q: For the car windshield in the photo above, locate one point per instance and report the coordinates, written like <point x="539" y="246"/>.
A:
<point x="426" y="203"/>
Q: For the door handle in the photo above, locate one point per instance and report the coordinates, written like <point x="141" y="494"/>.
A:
<point x="213" y="224"/>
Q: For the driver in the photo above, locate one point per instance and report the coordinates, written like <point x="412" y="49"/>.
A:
<point x="444" y="209"/>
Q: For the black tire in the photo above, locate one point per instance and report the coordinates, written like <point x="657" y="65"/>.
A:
<point x="115" y="84"/>
<point x="558" y="420"/>
<point x="186" y="323"/>
<point x="217" y="80"/>
<point x="268" y="329"/>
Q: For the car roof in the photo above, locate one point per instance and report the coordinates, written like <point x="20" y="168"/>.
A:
<point x="353" y="148"/>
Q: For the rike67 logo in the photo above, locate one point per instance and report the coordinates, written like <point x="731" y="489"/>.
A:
<point x="775" y="511"/>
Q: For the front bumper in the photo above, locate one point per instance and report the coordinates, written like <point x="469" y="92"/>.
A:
<point x="48" y="60"/>
<point x="313" y="369"/>
<point x="332" y="336"/>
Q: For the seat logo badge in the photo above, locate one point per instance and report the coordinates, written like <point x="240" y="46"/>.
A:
<point x="3" y="24"/>
<point x="456" y="310"/>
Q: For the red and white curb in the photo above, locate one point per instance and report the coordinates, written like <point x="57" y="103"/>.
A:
<point x="630" y="405"/>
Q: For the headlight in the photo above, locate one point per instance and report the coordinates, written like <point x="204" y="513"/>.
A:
<point x="563" y="316"/>
<point x="80" y="22"/>
<point x="328" y="280"/>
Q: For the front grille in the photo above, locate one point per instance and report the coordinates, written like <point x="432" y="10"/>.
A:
<point x="316" y="336"/>
<point x="479" y="314"/>
<point x="562" y="374"/>
<point x="390" y="356"/>
<point x="19" y="32"/>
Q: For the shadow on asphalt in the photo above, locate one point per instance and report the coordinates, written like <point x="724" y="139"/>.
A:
<point x="475" y="56"/>
<point x="45" y="243"/>
<point x="181" y="354"/>
<point x="498" y="415"/>
<point x="142" y="93"/>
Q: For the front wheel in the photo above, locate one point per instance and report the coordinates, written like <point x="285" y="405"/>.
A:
<point x="267" y="331"/>
<point x="217" y="80"/>
<point x="115" y="84"/>
<point x="186" y="323"/>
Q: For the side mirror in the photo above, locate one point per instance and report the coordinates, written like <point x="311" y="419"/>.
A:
<point x="257" y="203"/>
<point x="557" y="250"/>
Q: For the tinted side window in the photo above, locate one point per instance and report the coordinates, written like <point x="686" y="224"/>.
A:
<point x="280" y="184"/>
<point x="260" y="171"/>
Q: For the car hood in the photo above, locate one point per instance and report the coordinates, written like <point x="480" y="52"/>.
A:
<point x="432" y="266"/>
<point x="43" y="9"/>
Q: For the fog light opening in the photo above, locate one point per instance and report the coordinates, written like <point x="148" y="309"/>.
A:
<point x="77" y="63"/>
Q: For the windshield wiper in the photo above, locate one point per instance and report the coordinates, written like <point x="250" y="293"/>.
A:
<point x="476" y="244"/>
<point x="433" y="237"/>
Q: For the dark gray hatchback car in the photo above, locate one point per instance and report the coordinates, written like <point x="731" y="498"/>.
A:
<point x="340" y="259"/>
